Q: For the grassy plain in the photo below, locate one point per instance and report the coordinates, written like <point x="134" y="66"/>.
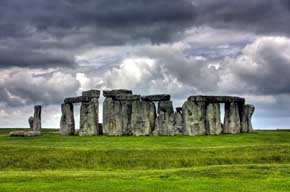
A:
<point x="246" y="162"/>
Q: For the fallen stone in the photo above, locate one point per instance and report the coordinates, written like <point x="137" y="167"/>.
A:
<point x="213" y="119"/>
<point x="247" y="119"/>
<point x="143" y="118"/>
<point x="88" y="116"/>
<point x="156" y="98"/>
<point x="24" y="133"/>
<point x="37" y="118"/>
<point x="67" y="122"/>
<point x="77" y="99"/>
<point x="194" y="116"/>
<point x="30" y="122"/>
<point x="111" y="93"/>
<point x="232" y="120"/>
<point x="91" y="93"/>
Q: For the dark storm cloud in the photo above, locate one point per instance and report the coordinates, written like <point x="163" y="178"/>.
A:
<point x="261" y="16"/>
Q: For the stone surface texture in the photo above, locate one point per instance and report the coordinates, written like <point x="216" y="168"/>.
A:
<point x="88" y="116"/>
<point x="213" y="117"/>
<point x="24" y="133"/>
<point x="67" y="122"/>
<point x="37" y="118"/>
<point x="232" y="120"/>
<point x="247" y="119"/>
<point x="30" y="122"/>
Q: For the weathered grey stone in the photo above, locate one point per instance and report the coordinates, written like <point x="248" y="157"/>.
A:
<point x="37" y="118"/>
<point x="143" y="118"/>
<point x="127" y="97"/>
<point x="247" y="119"/>
<point x="213" y="119"/>
<point x="216" y="99"/>
<point x="176" y="124"/>
<point x="194" y="116"/>
<point x="112" y="93"/>
<point x="30" y="122"/>
<point x="156" y="98"/>
<point x="77" y="99"/>
<point x="112" y="117"/>
<point x="91" y="93"/>
<point x="67" y="122"/>
<point x="88" y="116"/>
<point x="24" y="133"/>
<point x="232" y="120"/>
<point x="165" y="106"/>
<point x="163" y="122"/>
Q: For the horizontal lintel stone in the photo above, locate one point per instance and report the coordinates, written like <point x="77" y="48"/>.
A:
<point x="216" y="99"/>
<point x="162" y="97"/>
<point x="127" y="97"/>
<point x="77" y="99"/>
<point x="91" y="93"/>
<point x="112" y="93"/>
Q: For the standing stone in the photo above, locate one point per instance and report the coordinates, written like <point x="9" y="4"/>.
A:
<point x="232" y="120"/>
<point x="176" y="123"/>
<point x="143" y="118"/>
<point x="163" y="121"/>
<point x="194" y="116"/>
<point x="30" y="122"/>
<point x="67" y="122"/>
<point x="213" y="119"/>
<point x="88" y="124"/>
<point x="112" y="117"/>
<point x="37" y="118"/>
<point x="247" y="119"/>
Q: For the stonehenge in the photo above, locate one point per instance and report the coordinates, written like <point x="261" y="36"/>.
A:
<point x="37" y="118"/>
<point x="127" y="114"/>
<point x="30" y="122"/>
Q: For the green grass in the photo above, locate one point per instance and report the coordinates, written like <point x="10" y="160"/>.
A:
<point x="246" y="162"/>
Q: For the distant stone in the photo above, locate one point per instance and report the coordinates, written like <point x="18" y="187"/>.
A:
<point x="91" y="93"/>
<point x="194" y="116"/>
<point x="216" y="99"/>
<point x="232" y="120"/>
<point x="30" y="122"/>
<point x="24" y="133"/>
<point x="247" y="119"/>
<point x="213" y="118"/>
<point x="156" y="98"/>
<point x="112" y="93"/>
<point x="77" y="99"/>
<point x="127" y="97"/>
<point x="67" y="122"/>
<point x="37" y="118"/>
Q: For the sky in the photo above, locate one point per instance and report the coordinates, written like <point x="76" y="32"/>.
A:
<point x="54" y="49"/>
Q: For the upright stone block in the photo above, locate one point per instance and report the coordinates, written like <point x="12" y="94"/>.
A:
<point x="88" y="123"/>
<point x="163" y="121"/>
<point x="142" y="118"/>
<point x="67" y="122"/>
<point x="37" y="118"/>
<point x="213" y="119"/>
<point x="30" y="122"/>
<point x="247" y="119"/>
<point x="176" y="123"/>
<point x="194" y="116"/>
<point x="112" y="117"/>
<point x="232" y="120"/>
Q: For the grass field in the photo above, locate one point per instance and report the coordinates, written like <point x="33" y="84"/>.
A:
<point x="248" y="162"/>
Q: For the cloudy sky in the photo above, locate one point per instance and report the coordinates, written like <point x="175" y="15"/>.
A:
<point x="53" y="49"/>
